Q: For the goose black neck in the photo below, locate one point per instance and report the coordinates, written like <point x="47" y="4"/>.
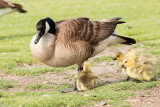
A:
<point x="52" y="25"/>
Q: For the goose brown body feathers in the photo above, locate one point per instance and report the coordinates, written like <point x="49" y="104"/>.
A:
<point x="74" y="40"/>
<point x="85" y="30"/>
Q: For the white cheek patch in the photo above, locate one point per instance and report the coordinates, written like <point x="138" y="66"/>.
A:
<point x="47" y="27"/>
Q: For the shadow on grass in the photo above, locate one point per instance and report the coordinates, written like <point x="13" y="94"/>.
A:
<point x="74" y="88"/>
<point x="134" y="82"/>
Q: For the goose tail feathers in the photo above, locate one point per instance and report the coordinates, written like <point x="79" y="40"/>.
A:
<point x="125" y="40"/>
<point x="117" y="19"/>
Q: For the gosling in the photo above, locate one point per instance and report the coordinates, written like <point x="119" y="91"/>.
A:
<point x="86" y="79"/>
<point x="139" y="71"/>
<point x="119" y="59"/>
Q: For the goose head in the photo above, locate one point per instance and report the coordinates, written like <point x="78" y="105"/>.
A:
<point x="17" y="7"/>
<point x="44" y="26"/>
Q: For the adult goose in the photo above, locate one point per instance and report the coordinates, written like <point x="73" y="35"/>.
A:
<point x="8" y="7"/>
<point x="73" y="41"/>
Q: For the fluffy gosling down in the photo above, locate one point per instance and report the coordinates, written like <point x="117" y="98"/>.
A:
<point x="131" y="53"/>
<point x="86" y="79"/>
<point x="139" y="71"/>
<point x="144" y="58"/>
<point x="119" y="58"/>
<point x="147" y="59"/>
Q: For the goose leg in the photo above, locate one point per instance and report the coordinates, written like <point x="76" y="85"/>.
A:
<point x="80" y="65"/>
<point x="80" y="69"/>
<point x="74" y="88"/>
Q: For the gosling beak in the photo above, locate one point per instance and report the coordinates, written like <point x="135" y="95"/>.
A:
<point x="123" y="66"/>
<point x="115" y="58"/>
<point x="37" y="38"/>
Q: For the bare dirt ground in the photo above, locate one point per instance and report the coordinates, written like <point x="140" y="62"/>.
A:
<point x="142" y="98"/>
<point x="104" y="70"/>
<point x="146" y="98"/>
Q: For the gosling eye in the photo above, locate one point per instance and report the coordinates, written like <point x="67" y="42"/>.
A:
<point x="125" y="61"/>
<point x="117" y="55"/>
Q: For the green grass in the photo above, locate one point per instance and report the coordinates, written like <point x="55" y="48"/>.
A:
<point x="63" y="86"/>
<point x="113" y="92"/>
<point x="33" y="86"/>
<point x="104" y="58"/>
<point x="37" y="86"/>
<point x="17" y="30"/>
<point x="6" y="84"/>
<point x="37" y="70"/>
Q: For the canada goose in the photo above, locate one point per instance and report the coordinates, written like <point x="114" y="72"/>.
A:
<point x="86" y="79"/>
<point x="139" y="71"/>
<point x="8" y="7"/>
<point x="73" y="41"/>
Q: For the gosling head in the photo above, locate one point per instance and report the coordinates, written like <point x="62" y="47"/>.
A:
<point x="44" y="26"/>
<point x="128" y="62"/>
<point x="119" y="56"/>
<point x="131" y="53"/>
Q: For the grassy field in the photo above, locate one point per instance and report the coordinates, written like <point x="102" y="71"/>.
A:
<point x="16" y="31"/>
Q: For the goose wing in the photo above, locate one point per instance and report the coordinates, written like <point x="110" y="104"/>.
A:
<point x="86" y="30"/>
<point x="59" y="22"/>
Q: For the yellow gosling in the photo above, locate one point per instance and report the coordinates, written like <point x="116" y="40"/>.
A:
<point x="139" y="71"/>
<point x="86" y="79"/>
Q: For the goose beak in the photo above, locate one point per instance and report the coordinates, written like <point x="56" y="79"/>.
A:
<point x="37" y="38"/>
<point x="115" y="58"/>
<point x="22" y="11"/>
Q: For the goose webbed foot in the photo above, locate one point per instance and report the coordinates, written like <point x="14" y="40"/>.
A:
<point x="137" y="81"/>
<point x="132" y="79"/>
<point x="127" y="78"/>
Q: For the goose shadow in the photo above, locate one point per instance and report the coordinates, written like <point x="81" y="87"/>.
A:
<point x="74" y="88"/>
